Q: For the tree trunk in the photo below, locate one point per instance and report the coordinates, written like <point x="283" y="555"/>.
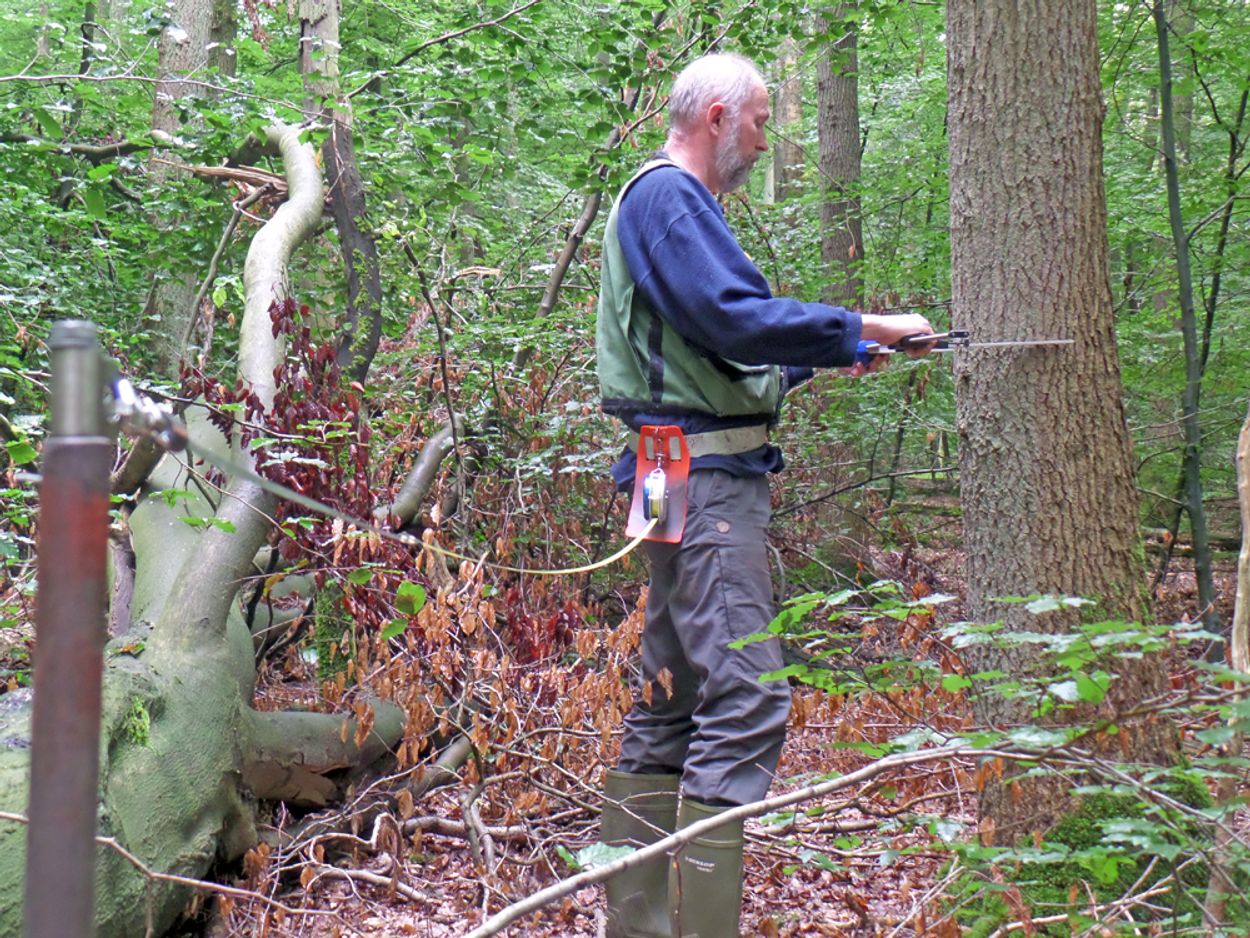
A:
<point x="182" y="51"/>
<point x="1049" y="498"/>
<point x="788" y="119"/>
<point x="1191" y="462"/>
<point x="184" y="756"/>
<point x="837" y="90"/>
<point x="319" y="51"/>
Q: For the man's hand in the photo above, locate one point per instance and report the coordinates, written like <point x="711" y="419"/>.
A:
<point x="888" y="330"/>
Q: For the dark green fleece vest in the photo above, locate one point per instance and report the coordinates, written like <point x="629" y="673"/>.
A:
<point x="645" y="366"/>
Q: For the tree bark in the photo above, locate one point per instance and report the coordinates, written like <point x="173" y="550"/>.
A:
<point x="1049" y="498"/>
<point x="1191" y="397"/>
<point x="182" y="51"/>
<point x="788" y="118"/>
<point x="837" y="92"/>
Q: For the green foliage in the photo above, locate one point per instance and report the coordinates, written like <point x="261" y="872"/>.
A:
<point x="1132" y="829"/>
<point x="137" y="724"/>
<point x="332" y="634"/>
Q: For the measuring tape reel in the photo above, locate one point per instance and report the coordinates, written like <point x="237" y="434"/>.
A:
<point x="655" y="496"/>
<point x="660" y="485"/>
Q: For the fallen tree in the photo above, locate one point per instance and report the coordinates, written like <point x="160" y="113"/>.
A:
<point x="184" y="755"/>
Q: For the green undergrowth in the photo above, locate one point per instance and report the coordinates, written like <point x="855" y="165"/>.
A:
<point x="332" y="633"/>
<point x="1135" y="851"/>
<point x="1114" y="845"/>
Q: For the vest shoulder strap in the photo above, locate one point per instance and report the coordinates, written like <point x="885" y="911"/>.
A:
<point x="646" y="168"/>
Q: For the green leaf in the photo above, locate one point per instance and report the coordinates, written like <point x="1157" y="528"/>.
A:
<point x="1092" y="688"/>
<point x="101" y="172"/>
<point x="94" y="202"/>
<point x="600" y="854"/>
<point x="360" y="577"/>
<point x="814" y="858"/>
<point x="751" y="639"/>
<point x="781" y="674"/>
<point x="21" y="452"/>
<point x="951" y="683"/>
<point x="1066" y="691"/>
<point x="49" y="124"/>
<point x="394" y="627"/>
<point x="409" y="598"/>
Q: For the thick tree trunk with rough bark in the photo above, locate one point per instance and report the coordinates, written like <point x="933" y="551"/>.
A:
<point x="1049" y="497"/>
<point x="837" y="92"/>
<point x="183" y="754"/>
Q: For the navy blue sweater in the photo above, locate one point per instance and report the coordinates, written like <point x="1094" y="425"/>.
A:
<point x="688" y="266"/>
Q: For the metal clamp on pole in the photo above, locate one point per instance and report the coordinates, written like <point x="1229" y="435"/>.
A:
<point x="70" y="632"/>
<point x="138" y="415"/>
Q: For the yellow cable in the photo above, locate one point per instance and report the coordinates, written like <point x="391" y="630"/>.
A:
<point x="628" y="548"/>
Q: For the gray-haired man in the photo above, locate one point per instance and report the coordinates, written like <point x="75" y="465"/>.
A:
<point x="689" y="334"/>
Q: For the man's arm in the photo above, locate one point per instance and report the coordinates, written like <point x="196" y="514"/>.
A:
<point x="689" y="267"/>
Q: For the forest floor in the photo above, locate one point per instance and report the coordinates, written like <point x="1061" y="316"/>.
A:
<point x="871" y="868"/>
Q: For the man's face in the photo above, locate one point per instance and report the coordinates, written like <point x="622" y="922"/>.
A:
<point x="744" y="142"/>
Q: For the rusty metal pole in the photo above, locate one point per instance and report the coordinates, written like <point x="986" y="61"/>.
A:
<point x="70" y="629"/>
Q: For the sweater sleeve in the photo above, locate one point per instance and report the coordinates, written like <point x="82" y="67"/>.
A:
<point x="687" y="264"/>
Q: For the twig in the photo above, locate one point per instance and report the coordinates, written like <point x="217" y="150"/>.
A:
<point x="456" y="34"/>
<point x="787" y="509"/>
<point x="239" y="208"/>
<point x="374" y="879"/>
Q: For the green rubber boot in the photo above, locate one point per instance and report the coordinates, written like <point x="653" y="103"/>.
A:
<point x="638" y="810"/>
<point x="705" y="878"/>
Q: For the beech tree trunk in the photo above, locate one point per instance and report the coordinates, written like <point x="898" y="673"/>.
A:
<point x="182" y="52"/>
<point x="837" y="90"/>
<point x="1050" y="503"/>
<point x="788" y="119"/>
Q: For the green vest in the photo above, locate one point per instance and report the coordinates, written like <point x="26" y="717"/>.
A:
<point x="644" y="365"/>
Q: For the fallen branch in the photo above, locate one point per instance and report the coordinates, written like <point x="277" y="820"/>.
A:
<point x="244" y="174"/>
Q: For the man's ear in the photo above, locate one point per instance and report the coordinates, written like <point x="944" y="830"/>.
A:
<point x="717" y="114"/>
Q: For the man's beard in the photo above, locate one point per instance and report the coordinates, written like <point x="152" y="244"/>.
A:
<point x="732" y="168"/>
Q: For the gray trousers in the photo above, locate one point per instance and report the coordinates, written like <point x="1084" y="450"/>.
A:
<point x="722" y="728"/>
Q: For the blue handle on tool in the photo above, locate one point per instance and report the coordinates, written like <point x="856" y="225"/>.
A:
<point x="865" y="351"/>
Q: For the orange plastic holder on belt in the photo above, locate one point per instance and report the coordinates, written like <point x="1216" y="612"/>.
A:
<point x="660" y="485"/>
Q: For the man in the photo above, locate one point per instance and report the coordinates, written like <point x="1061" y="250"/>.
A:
<point x="689" y="334"/>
